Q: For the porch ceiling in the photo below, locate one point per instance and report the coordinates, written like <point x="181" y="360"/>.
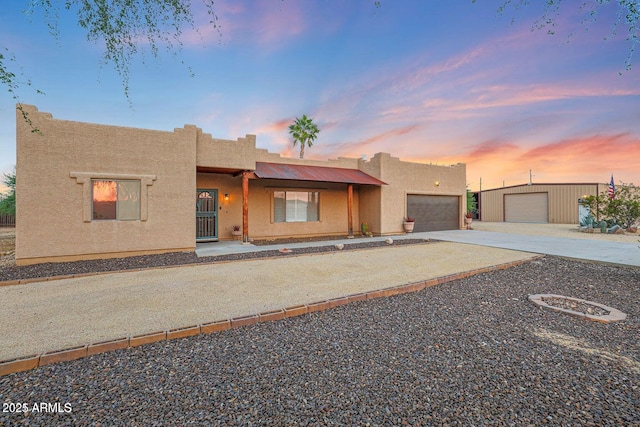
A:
<point x="206" y="169"/>
<point x="314" y="173"/>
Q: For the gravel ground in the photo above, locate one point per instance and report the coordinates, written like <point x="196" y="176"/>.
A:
<point x="472" y="352"/>
<point x="13" y="272"/>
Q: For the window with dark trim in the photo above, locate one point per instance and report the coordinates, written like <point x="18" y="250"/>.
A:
<point x="296" y="206"/>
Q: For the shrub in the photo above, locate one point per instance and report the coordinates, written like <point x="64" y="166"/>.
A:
<point x="623" y="209"/>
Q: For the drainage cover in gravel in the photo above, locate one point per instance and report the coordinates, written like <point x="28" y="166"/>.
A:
<point x="578" y="307"/>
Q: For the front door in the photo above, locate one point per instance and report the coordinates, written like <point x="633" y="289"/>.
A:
<point x="206" y="215"/>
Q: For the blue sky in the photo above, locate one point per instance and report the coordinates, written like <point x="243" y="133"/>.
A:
<point x="430" y="81"/>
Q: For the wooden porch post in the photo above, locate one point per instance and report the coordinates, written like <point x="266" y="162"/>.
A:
<point x="245" y="207"/>
<point x="350" y="208"/>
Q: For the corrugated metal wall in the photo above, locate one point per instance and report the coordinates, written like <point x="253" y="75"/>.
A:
<point x="563" y="200"/>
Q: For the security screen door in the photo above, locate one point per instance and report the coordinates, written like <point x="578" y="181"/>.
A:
<point x="206" y="215"/>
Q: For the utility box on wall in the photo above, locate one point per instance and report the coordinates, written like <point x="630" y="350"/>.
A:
<point x="584" y="213"/>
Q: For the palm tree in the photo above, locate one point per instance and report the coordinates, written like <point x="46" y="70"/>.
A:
<point x="304" y="131"/>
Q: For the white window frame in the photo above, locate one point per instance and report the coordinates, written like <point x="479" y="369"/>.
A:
<point x="291" y="212"/>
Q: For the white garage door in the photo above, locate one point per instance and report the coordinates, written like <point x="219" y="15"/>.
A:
<point x="433" y="213"/>
<point x="531" y="207"/>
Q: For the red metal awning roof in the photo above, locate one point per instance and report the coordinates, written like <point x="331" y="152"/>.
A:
<point x="314" y="173"/>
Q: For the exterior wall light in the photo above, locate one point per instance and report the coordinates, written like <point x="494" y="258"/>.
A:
<point x="226" y="197"/>
<point x="436" y="183"/>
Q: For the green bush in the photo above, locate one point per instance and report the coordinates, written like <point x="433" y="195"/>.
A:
<point x="8" y="201"/>
<point x="623" y="209"/>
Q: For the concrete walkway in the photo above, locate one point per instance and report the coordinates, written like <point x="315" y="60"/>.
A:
<point x="574" y="248"/>
<point x="226" y="247"/>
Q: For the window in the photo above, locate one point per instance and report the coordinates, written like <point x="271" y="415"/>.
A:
<point x="116" y="200"/>
<point x="140" y="182"/>
<point x="295" y="206"/>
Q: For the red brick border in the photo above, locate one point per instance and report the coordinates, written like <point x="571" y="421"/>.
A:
<point x="219" y="326"/>
<point x="19" y="365"/>
<point x="318" y="306"/>
<point x="357" y="297"/>
<point x="63" y="355"/>
<point x="271" y="316"/>
<point x="296" y="310"/>
<point x="336" y="302"/>
<point x="189" y="331"/>
<point x="31" y="362"/>
<point x="10" y="282"/>
<point x="147" y="338"/>
<point x="237" y="322"/>
<point x="110" y="345"/>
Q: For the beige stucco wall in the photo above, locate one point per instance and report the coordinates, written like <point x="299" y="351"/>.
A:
<point x="369" y="208"/>
<point x="404" y="178"/>
<point x="225" y="154"/>
<point x="562" y="200"/>
<point x="51" y="204"/>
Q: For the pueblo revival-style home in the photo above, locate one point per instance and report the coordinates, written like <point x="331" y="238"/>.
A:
<point x="87" y="191"/>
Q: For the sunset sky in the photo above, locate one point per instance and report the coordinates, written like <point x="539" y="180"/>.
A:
<point x="436" y="81"/>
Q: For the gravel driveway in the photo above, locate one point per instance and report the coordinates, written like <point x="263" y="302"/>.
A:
<point x="472" y="352"/>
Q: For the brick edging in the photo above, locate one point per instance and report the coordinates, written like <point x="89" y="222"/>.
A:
<point x="31" y="362"/>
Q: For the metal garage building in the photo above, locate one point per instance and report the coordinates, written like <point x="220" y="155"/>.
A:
<point x="536" y="203"/>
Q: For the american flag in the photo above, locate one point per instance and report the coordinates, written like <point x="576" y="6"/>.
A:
<point x="612" y="189"/>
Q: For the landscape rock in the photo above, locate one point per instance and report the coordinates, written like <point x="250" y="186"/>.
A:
<point x="468" y="352"/>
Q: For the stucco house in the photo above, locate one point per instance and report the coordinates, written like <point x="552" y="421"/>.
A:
<point x="88" y="191"/>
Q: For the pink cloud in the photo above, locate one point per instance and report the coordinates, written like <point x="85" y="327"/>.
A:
<point x="491" y="148"/>
<point x="589" y="158"/>
<point x="277" y="126"/>
<point x="277" y="24"/>
<point x="496" y="96"/>
<point x="473" y="80"/>
<point x="581" y="159"/>
<point x="263" y="23"/>
<point x="589" y="150"/>
<point x="280" y="127"/>
<point x="355" y="148"/>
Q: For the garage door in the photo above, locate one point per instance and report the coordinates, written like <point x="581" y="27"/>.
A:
<point x="532" y="207"/>
<point x="433" y="213"/>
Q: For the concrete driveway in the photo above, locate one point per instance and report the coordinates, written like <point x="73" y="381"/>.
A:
<point x="596" y="247"/>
